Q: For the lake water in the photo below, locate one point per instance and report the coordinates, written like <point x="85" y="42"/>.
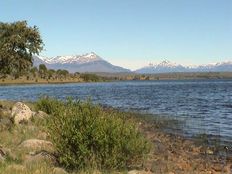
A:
<point x="205" y="106"/>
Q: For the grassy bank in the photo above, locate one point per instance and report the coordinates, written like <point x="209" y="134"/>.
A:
<point x="40" y="81"/>
<point x="169" y="76"/>
<point x="77" y="78"/>
<point x="83" y="126"/>
<point x="104" y="77"/>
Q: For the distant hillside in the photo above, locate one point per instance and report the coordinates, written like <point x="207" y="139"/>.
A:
<point x="79" y="63"/>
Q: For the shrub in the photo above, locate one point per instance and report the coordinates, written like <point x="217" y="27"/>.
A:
<point x="90" y="77"/>
<point x="48" y="105"/>
<point x="86" y="137"/>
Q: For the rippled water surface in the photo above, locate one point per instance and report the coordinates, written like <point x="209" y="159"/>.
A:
<point x="204" y="105"/>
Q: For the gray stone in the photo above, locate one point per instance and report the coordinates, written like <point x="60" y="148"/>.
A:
<point x="21" y="113"/>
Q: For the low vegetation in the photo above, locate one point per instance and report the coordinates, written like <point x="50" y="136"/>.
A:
<point x="168" y="76"/>
<point x="79" y="137"/>
<point x="86" y="136"/>
<point x="44" y="75"/>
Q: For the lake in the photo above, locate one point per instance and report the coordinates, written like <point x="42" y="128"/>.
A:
<point x="204" y="106"/>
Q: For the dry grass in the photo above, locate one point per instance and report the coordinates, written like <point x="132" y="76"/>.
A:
<point x="24" y="80"/>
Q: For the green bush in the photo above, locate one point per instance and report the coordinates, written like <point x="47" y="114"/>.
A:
<point x="87" y="137"/>
<point x="90" y="77"/>
<point x="48" y="105"/>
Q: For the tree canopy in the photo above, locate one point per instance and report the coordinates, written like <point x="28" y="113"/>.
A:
<point x="18" y="42"/>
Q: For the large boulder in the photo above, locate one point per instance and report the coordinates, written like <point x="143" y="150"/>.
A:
<point x="21" y="113"/>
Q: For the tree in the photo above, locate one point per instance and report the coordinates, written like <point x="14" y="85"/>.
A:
<point x="62" y="73"/>
<point x="90" y="77"/>
<point x="42" y="71"/>
<point x="51" y="73"/>
<point x="18" y="42"/>
<point x="34" y="71"/>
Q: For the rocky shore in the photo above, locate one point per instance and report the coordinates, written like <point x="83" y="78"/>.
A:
<point x="25" y="147"/>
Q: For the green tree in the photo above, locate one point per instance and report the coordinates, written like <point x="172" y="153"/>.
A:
<point x="34" y="71"/>
<point x="51" y="73"/>
<point x="43" y="71"/>
<point x="62" y="73"/>
<point x="18" y="42"/>
<point x="90" y="77"/>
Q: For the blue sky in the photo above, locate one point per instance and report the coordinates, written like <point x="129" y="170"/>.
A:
<point x="130" y="33"/>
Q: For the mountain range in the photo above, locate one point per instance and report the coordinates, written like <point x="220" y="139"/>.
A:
<point x="168" y="67"/>
<point x="91" y="62"/>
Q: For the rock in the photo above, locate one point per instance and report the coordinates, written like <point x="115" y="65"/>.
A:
<point x="20" y="113"/>
<point x="209" y="152"/>
<point x="39" y="157"/>
<point x="36" y="145"/>
<point x="58" y="170"/>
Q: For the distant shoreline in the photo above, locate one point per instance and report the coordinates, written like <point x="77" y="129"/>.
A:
<point x="19" y="82"/>
<point x="109" y="77"/>
<point x="69" y="82"/>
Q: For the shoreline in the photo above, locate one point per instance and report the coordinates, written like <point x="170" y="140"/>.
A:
<point x="164" y="124"/>
<point x="170" y="152"/>
<point x="23" y="82"/>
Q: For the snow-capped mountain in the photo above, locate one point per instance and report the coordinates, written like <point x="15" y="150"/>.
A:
<point x="90" y="62"/>
<point x="76" y="59"/>
<point x="163" y="67"/>
<point x="167" y="67"/>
